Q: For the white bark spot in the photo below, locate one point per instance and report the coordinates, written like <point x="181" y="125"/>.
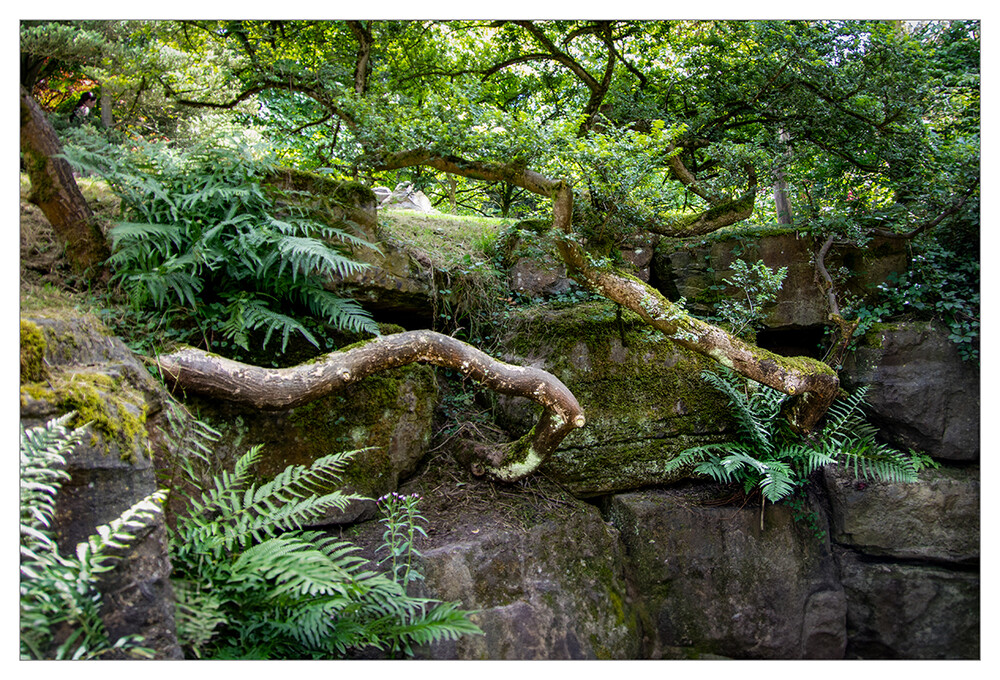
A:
<point x="515" y="471"/>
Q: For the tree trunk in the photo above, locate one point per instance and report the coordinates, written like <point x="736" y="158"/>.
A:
<point x="782" y="204"/>
<point x="277" y="389"/>
<point x="452" y="199"/>
<point x="54" y="190"/>
<point x="107" y="119"/>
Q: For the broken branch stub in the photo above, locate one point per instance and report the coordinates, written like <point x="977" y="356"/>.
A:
<point x="284" y="388"/>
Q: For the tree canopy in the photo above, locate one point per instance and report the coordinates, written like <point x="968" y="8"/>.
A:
<point x="610" y="128"/>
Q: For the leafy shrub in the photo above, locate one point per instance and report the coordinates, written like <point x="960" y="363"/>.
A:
<point x="770" y="458"/>
<point x="59" y="601"/>
<point x="758" y="287"/>
<point x="252" y="583"/>
<point x="204" y="247"/>
<point x="939" y="285"/>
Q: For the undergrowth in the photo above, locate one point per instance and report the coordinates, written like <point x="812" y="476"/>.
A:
<point x="253" y="583"/>
<point x="771" y="459"/>
<point x="60" y="604"/>
<point x="208" y="254"/>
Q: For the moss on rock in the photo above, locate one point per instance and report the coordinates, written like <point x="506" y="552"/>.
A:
<point x="643" y="395"/>
<point x="32" y="353"/>
<point x="112" y="409"/>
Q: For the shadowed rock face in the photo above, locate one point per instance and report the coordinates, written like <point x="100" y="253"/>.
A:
<point x="110" y="470"/>
<point x="697" y="271"/>
<point x="935" y="520"/>
<point x="554" y="591"/>
<point x="922" y="394"/>
<point x="725" y="581"/>
<point x="909" y="611"/>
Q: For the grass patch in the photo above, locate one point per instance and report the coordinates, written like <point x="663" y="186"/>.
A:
<point x="448" y="240"/>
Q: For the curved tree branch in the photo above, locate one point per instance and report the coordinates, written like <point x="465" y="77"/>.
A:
<point x="284" y="388"/>
<point x="825" y="283"/>
<point x="813" y="382"/>
<point x="930" y="224"/>
<point x="721" y="212"/>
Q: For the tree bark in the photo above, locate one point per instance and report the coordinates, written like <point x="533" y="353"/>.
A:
<point x="278" y="389"/>
<point x="54" y="190"/>
<point x="362" y="63"/>
<point x="782" y="204"/>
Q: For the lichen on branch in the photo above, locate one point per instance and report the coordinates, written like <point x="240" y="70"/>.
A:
<point x="278" y="389"/>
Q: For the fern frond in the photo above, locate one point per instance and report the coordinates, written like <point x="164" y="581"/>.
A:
<point x="845" y="414"/>
<point x="248" y="313"/>
<point x="305" y="255"/>
<point x="57" y="590"/>
<point x="339" y="312"/>
<point x="873" y="460"/>
<point x="102" y="550"/>
<point x="298" y="568"/>
<point x="232" y="517"/>
<point x="442" y="622"/>
<point x="198" y="615"/>
<point x="777" y="481"/>
<point x="164" y="238"/>
<point x="754" y="417"/>
<point x="696" y="454"/>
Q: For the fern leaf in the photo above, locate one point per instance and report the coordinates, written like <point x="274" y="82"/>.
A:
<point x="754" y="418"/>
<point x="304" y="255"/>
<point x="339" y="312"/>
<point x="97" y="554"/>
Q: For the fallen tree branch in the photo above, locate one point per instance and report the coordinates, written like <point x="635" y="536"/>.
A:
<point x="284" y="388"/>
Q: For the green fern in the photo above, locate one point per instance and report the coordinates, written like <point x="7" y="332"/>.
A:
<point x="769" y="458"/>
<point x="58" y="590"/>
<point x="251" y="582"/>
<point x="203" y="242"/>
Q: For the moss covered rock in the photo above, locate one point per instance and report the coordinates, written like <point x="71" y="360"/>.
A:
<point x="96" y="376"/>
<point x="387" y="415"/>
<point x="643" y="396"/>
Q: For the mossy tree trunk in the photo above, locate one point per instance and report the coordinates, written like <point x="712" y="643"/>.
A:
<point x="278" y="389"/>
<point x="813" y="383"/>
<point x="54" y="190"/>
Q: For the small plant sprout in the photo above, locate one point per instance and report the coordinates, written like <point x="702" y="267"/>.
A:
<point x="402" y="524"/>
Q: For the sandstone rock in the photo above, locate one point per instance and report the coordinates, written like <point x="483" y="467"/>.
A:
<point x="542" y="571"/>
<point x="907" y="611"/>
<point x="644" y="400"/>
<point x="534" y="278"/>
<point x="723" y="581"/>
<point x="552" y="592"/>
<point x="935" y="519"/>
<point x="536" y="270"/>
<point x="922" y="394"/>
<point x="396" y="283"/>
<point x="99" y="377"/>
<point x="696" y="270"/>
<point x="405" y="197"/>
<point x="388" y="414"/>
